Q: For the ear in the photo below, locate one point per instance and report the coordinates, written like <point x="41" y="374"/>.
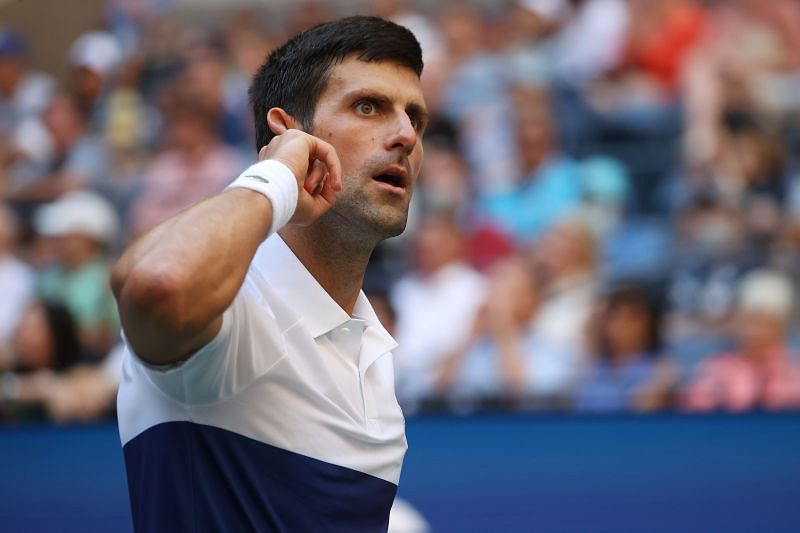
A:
<point x="279" y="121"/>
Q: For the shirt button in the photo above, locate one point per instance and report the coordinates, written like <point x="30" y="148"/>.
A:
<point x="344" y="331"/>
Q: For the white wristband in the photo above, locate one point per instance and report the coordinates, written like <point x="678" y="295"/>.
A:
<point x="274" y="180"/>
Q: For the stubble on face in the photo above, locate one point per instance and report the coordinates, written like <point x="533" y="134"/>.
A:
<point x="361" y="209"/>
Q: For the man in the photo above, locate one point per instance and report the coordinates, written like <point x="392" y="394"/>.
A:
<point x="257" y="391"/>
<point x="443" y="285"/>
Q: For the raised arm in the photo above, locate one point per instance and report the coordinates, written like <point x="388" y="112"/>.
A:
<point x="173" y="284"/>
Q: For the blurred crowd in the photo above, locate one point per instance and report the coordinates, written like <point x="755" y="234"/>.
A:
<point x="607" y="219"/>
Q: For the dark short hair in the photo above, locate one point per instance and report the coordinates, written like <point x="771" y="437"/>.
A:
<point x="635" y="295"/>
<point x="296" y="74"/>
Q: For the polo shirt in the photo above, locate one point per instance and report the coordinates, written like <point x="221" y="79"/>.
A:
<point x="286" y="421"/>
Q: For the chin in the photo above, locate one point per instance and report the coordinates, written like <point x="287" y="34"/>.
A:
<point x="391" y="227"/>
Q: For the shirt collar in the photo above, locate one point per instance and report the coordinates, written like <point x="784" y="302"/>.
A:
<point x="295" y="285"/>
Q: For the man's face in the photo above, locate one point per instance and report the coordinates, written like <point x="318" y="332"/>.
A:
<point x="374" y="116"/>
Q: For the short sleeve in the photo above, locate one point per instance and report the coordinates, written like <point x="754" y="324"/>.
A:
<point x="247" y="346"/>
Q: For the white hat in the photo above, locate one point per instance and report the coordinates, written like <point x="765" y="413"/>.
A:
<point x="552" y="10"/>
<point x="82" y="212"/>
<point x="766" y="291"/>
<point x="97" y="51"/>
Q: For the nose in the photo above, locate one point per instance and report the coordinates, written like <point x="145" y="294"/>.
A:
<point x="403" y="135"/>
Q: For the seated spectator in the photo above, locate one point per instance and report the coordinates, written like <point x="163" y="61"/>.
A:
<point x="79" y="157"/>
<point x="489" y="362"/>
<point x="566" y="258"/>
<point x="762" y="371"/>
<point x="81" y="225"/>
<point x="471" y="93"/>
<point x="95" y="58"/>
<point x="194" y="165"/>
<point x="16" y="280"/>
<point x="44" y="342"/>
<point x="505" y="357"/>
<point x="24" y="94"/>
<point x="549" y="186"/>
<point x="586" y="38"/>
<point x="628" y="372"/>
<point x="748" y="61"/>
<point x="709" y="257"/>
<point x="435" y="306"/>
<point x="86" y="392"/>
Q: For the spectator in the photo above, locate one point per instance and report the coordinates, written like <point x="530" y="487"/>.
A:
<point x="194" y="164"/>
<point x="549" y="185"/>
<point x="749" y="53"/>
<point x="762" y="371"/>
<point x="435" y="306"/>
<point x="16" y="281"/>
<point x="82" y="225"/>
<point x="207" y="72"/>
<point x="473" y="97"/>
<point x="95" y="57"/>
<point x="24" y="94"/>
<point x="86" y="392"/>
<point x="662" y="34"/>
<point x="45" y="342"/>
<point x="566" y="259"/>
<point x="506" y="356"/>
<point x="79" y="158"/>
<point x="628" y="372"/>
<point x="586" y="37"/>
<point x="709" y="258"/>
<point x="489" y="363"/>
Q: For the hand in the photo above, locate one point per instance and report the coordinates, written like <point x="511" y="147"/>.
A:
<point x="501" y="320"/>
<point x="316" y="166"/>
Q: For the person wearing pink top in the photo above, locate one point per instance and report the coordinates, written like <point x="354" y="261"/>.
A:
<point x="762" y="371"/>
<point x="195" y="165"/>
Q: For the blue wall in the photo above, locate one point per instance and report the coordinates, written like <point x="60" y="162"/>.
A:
<point x="487" y="473"/>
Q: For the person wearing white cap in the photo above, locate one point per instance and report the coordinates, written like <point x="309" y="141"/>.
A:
<point x="95" y="56"/>
<point x="81" y="226"/>
<point x="762" y="371"/>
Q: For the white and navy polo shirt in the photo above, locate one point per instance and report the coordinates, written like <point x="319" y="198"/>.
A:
<point x="286" y="421"/>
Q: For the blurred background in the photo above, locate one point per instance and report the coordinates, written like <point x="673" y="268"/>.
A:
<point x="606" y="226"/>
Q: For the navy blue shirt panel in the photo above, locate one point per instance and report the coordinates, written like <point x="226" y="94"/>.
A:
<point x="184" y="476"/>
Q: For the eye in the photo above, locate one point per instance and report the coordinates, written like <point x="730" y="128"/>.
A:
<point x="365" y="108"/>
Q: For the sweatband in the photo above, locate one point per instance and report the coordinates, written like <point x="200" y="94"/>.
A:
<point x="274" y="180"/>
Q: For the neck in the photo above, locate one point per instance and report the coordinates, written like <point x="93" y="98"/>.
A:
<point x="338" y="264"/>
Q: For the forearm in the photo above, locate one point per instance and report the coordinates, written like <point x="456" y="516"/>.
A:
<point x="179" y="278"/>
<point x="174" y="283"/>
<point x="48" y="188"/>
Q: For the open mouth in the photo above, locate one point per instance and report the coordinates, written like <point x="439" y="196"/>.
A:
<point x="395" y="178"/>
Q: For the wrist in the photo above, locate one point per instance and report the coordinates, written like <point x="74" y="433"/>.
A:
<point x="277" y="183"/>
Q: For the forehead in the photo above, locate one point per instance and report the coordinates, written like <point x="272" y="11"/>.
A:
<point x="388" y="78"/>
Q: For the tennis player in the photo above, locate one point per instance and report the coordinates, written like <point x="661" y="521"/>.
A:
<point x="257" y="389"/>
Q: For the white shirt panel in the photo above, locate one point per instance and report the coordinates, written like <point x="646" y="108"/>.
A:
<point x="289" y="368"/>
